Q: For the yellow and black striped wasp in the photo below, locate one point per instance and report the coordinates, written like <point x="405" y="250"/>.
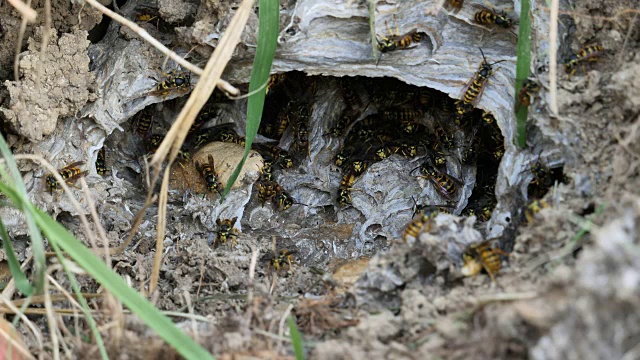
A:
<point x="101" y="163"/>
<point x="446" y="184"/>
<point x="69" y="174"/>
<point x="275" y="80"/>
<point x="283" y="257"/>
<point x="267" y="190"/>
<point x="143" y="123"/>
<point x="422" y="216"/>
<point x="529" y="87"/>
<point x="226" y="231"/>
<point x="395" y="41"/>
<point x="590" y="53"/>
<point x="482" y="256"/>
<point x="178" y="81"/>
<point x="492" y="17"/>
<point x="475" y="87"/>
<point x="533" y="208"/>
<point x="208" y="172"/>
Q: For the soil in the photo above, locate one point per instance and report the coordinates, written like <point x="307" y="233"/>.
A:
<point x="569" y="278"/>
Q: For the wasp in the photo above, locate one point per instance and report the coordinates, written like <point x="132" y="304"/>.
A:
<point x="348" y="180"/>
<point x="154" y="142"/>
<point x="278" y="262"/>
<point x="359" y="166"/>
<point x="493" y="17"/>
<point x="470" y="152"/>
<point x="267" y="190"/>
<point x="383" y="152"/>
<point x="226" y="231"/>
<point x="488" y="118"/>
<point x="589" y="53"/>
<point x="174" y="80"/>
<point x="533" y="208"/>
<point x="283" y="200"/>
<point x="408" y="150"/>
<point x="529" y="87"/>
<point x="415" y="226"/>
<point x="143" y="124"/>
<point x="342" y="158"/>
<point x="473" y="91"/>
<point x="204" y="116"/>
<point x="396" y="41"/>
<point x="101" y="164"/>
<point x="267" y="170"/>
<point x="438" y="156"/>
<point x="69" y="174"/>
<point x="208" y="172"/>
<point x="482" y="256"/>
<point x="345" y="120"/>
<point x="277" y="155"/>
<point x="541" y="174"/>
<point x="275" y="80"/>
<point x="344" y="197"/>
<point x="468" y="211"/>
<point x="443" y="182"/>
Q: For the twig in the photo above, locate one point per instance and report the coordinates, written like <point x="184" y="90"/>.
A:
<point x="14" y="344"/>
<point x="626" y="39"/>
<point x="283" y="319"/>
<point x="26" y="320"/>
<point x="25" y="10"/>
<point x="136" y="224"/>
<point x="51" y="321"/>
<point x="96" y="220"/>
<point x="223" y="85"/>
<point x="46" y="32"/>
<point x="483" y="300"/>
<point x="161" y="228"/>
<point x="23" y="28"/>
<point x="553" y="58"/>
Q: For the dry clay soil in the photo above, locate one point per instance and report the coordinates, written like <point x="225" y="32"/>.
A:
<point x="564" y="293"/>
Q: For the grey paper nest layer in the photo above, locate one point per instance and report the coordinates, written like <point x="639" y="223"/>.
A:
<point x="318" y="38"/>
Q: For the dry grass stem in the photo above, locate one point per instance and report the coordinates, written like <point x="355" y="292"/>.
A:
<point x="51" y="321"/>
<point x="161" y="228"/>
<point x="223" y="85"/>
<point x="16" y="59"/>
<point x="96" y="221"/>
<point x="25" y="10"/>
<point x="14" y="310"/>
<point x="14" y="345"/>
<point x="553" y="58"/>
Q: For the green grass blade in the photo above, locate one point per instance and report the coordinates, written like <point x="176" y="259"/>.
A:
<point x="296" y="339"/>
<point x="83" y="302"/>
<point x="523" y="65"/>
<point x="14" y="265"/>
<point x="37" y="243"/>
<point x="57" y="234"/>
<point x="269" y="22"/>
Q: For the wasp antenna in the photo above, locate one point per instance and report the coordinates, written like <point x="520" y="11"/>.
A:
<point x="411" y="173"/>
<point x="483" y="57"/>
